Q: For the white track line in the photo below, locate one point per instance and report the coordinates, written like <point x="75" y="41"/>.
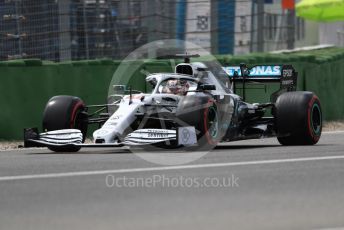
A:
<point x="333" y="132"/>
<point x="153" y="169"/>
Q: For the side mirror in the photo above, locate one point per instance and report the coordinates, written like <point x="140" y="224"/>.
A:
<point x="152" y="80"/>
<point x="207" y="87"/>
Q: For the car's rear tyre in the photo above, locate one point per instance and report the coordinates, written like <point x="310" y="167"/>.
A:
<point x="65" y="112"/>
<point x="298" y="118"/>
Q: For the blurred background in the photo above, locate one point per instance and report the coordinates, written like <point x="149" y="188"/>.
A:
<point x="60" y="30"/>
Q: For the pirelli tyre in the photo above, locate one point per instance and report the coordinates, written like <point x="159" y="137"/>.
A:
<point x="65" y="112"/>
<point x="298" y="118"/>
<point x="202" y="113"/>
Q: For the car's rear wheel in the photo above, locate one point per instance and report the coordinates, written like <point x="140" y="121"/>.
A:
<point x="65" y="112"/>
<point x="298" y="118"/>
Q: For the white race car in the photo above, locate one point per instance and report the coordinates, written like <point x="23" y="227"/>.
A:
<point x="194" y="106"/>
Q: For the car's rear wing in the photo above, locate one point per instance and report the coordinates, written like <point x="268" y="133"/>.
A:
<point x="283" y="74"/>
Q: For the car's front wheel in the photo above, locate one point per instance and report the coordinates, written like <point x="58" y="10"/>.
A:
<point x="203" y="114"/>
<point x="65" y="112"/>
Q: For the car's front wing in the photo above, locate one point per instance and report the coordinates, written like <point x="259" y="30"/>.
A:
<point x="72" y="137"/>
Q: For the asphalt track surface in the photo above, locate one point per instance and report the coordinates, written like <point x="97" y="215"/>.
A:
<point x="271" y="187"/>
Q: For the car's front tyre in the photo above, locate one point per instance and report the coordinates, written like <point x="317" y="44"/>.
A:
<point x="202" y="113"/>
<point x="65" y="112"/>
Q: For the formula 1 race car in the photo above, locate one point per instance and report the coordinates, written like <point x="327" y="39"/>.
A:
<point x="197" y="105"/>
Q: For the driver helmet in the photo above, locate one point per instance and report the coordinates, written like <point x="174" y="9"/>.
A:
<point x="177" y="86"/>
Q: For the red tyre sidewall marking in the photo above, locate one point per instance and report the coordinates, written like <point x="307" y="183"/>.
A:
<point x="205" y="119"/>
<point x="310" y="128"/>
<point x="75" y="109"/>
